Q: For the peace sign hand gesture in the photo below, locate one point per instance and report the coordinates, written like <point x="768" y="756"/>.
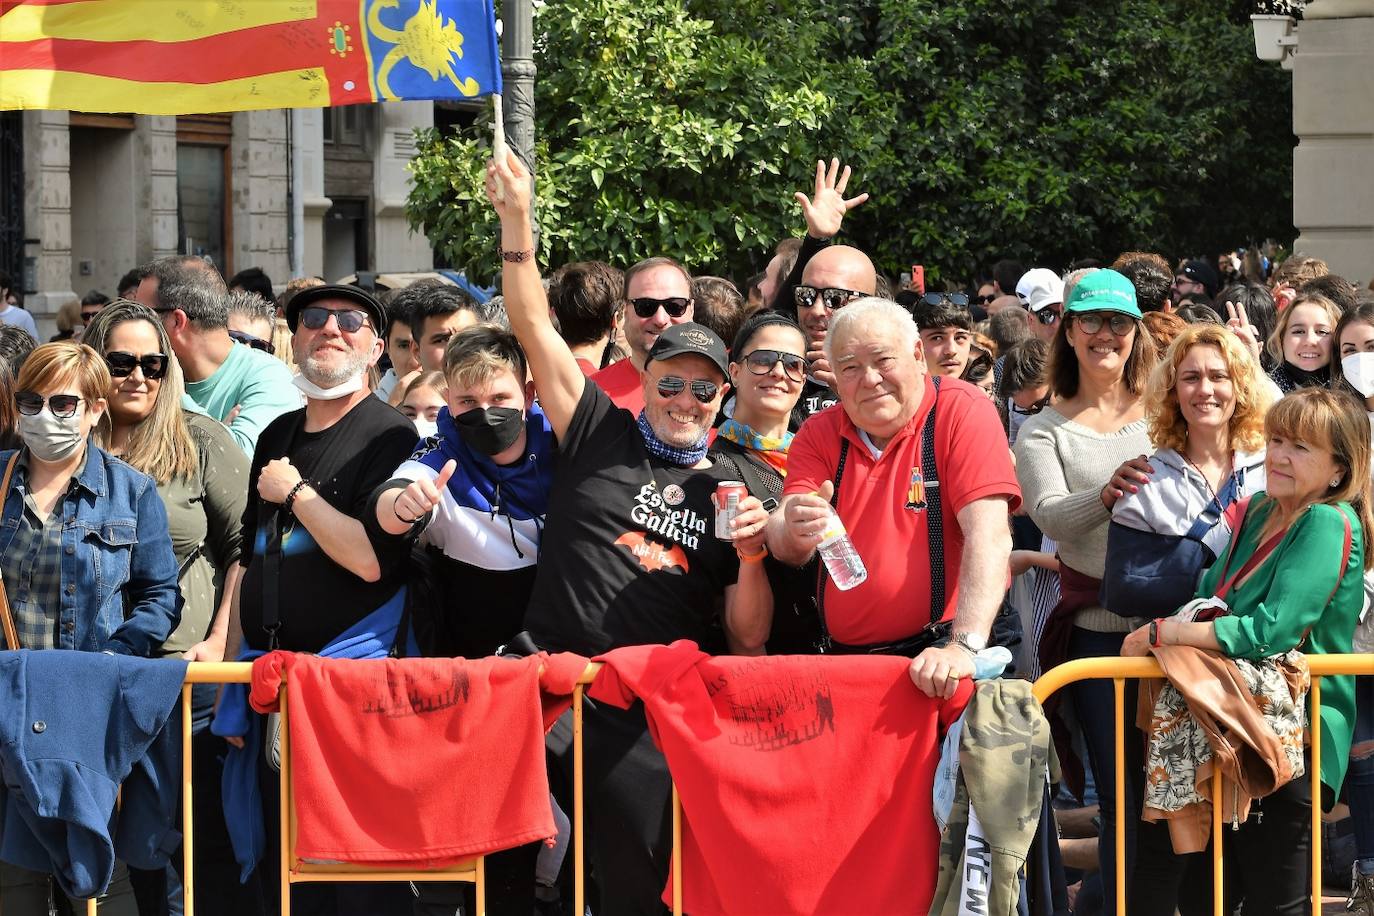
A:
<point x="825" y="208"/>
<point x="1239" y="322"/>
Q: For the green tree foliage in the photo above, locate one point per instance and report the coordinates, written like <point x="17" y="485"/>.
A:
<point x="982" y="128"/>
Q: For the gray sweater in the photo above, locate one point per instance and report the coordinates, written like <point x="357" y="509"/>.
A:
<point x="1062" y="467"/>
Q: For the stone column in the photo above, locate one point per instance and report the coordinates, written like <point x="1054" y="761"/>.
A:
<point x="1333" y="117"/>
<point x="398" y="248"/>
<point x="155" y="187"/>
<point x="308" y="136"/>
<point x="48" y="213"/>
<point x="260" y="163"/>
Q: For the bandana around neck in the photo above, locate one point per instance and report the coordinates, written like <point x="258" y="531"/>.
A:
<point x="771" y="449"/>
<point x="683" y="457"/>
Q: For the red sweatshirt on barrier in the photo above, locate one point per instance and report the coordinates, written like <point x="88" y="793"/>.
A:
<point x="418" y="761"/>
<point x="805" y="781"/>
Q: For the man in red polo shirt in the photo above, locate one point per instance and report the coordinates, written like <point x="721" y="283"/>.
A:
<point x="891" y="482"/>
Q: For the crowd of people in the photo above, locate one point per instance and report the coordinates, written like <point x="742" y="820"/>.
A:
<point x="1127" y="458"/>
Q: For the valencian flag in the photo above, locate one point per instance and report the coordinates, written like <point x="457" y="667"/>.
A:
<point x="167" y="57"/>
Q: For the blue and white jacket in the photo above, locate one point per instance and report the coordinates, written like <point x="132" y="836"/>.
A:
<point x="491" y="517"/>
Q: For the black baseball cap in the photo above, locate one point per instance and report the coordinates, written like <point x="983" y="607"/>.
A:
<point x="312" y="294"/>
<point x="690" y="338"/>
<point x="1204" y="273"/>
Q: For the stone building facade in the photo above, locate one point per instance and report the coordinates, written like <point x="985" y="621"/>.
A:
<point x="86" y="197"/>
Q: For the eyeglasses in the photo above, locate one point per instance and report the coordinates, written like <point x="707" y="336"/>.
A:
<point x="958" y="299"/>
<point x="646" y="307"/>
<point x="1121" y="325"/>
<point x="257" y="343"/>
<point x="761" y="362"/>
<point x="984" y="300"/>
<point x="1046" y="315"/>
<point x="121" y="364"/>
<point x="315" y="317"/>
<point x="834" y="297"/>
<point x="61" y="405"/>
<point x="670" y="386"/>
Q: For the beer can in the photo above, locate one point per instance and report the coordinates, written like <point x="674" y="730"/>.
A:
<point x="726" y="499"/>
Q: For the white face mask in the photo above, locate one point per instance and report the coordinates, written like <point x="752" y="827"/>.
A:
<point x="51" y="439"/>
<point x="343" y="390"/>
<point x="427" y="429"/>
<point x="1358" y="369"/>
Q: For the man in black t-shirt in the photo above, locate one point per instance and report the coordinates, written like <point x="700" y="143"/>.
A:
<point x="313" y="471"/>
<point x="316" y="563"/>
<point x="629" y="555"/>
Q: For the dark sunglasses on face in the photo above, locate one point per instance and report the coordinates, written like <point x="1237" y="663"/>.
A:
<point x="87" y="316"/>
<point x="1046" y="315"/>
<point x="958" y="299"/>
<point x="349" y="320"/>
<point x="984" y="300"/>
<point x="761" y="362"/>
<point x="670" y="386"/>
<point x="61" y="405"/>
<point x="1092" y="323"/>
<point x="645" y="307"/>
<point x="834" y="297"/>
<point x="257" y="343"/>
<point x="121" y="364"/>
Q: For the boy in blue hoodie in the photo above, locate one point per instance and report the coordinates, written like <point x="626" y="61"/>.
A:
<point x="478" y="490"/>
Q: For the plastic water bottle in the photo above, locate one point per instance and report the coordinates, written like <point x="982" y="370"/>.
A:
<point x="842" y="561"/>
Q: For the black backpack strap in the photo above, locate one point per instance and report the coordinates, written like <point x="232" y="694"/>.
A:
<point x="935" y="520"/>
<point x="739" y="458"/>
<point x="281" y="523"/>
<point x="935" y="529"/>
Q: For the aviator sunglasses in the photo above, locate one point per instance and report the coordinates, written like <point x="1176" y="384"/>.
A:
<point x="30" y="403"/>
<point x="646" y="307"/>
<point x="121" y="364"/>
<point x="670" y="386"/>
<point x="761" y="362"/>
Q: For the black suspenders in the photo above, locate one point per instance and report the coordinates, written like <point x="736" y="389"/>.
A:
<point x="935" y="528"/>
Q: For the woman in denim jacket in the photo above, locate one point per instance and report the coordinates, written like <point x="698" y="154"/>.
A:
<point x="84" y="550"/>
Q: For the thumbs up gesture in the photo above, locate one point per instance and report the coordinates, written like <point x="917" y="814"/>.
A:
<point x="418" y="499"/>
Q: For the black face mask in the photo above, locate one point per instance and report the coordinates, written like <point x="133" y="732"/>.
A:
<point x="490" y="430"/>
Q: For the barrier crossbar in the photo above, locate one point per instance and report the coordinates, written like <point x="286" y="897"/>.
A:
<point x="1117" y="670"/>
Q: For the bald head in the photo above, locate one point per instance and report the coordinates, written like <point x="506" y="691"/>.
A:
<point x="841" y="266"/>
<point x="836" y="267"/>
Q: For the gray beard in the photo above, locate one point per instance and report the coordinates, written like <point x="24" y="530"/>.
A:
<point x="355" y="365"/>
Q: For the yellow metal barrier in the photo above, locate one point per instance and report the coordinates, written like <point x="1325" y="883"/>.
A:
<point x="1117" y="670"/>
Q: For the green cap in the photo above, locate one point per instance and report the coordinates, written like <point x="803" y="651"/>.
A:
<point x="1103" y="291"/>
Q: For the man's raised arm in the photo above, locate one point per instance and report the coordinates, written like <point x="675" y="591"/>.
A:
<point x="557" y="378"/>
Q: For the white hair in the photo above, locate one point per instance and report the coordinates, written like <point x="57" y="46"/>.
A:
<point x="862" y="314"/>
<point x="1072" y="277"/>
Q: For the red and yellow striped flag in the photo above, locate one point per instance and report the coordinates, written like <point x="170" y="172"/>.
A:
<point x="189" y="56"/>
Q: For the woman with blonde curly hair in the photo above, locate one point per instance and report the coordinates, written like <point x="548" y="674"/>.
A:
<point x="1204" y="411"/>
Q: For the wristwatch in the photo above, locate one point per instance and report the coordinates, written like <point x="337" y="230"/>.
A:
<point x="971" y="643"/>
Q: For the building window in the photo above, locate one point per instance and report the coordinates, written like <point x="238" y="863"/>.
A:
<point x="204" y="217"/>
<point x="345" y="124"/>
